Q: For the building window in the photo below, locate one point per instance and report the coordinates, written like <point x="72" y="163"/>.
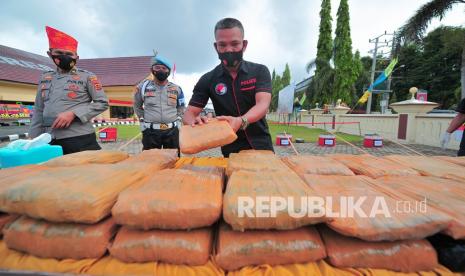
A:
<point x="121" y="112"/>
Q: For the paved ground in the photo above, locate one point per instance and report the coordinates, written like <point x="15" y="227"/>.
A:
<point x="309" y="148"/>
<point x="135" y="147"/>
<point x="305" y="148"/>
<point x="8" y="130"/>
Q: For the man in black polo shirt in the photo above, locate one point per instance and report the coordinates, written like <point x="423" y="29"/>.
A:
<point x="455" y="124"/>
<point x="240" y="91"/>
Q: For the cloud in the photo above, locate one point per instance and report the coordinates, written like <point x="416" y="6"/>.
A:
<point x="279" y="32"/>
<point x="187" y="83"/>
<point x="25" y="28"/>
<point x="34" y="42"/>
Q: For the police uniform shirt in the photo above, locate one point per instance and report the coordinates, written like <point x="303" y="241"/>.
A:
<point x="78" y="91"/>
<point x="160" y="104"/>
<point x="235" y="97"/>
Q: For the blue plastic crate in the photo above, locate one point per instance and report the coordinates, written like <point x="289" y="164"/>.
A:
<point x="16" y="157"/>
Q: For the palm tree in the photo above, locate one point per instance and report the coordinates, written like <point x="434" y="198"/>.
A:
<point x="416" y="26"/>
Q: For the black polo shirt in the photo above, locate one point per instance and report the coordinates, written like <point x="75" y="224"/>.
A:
<point x="235" y="97"/>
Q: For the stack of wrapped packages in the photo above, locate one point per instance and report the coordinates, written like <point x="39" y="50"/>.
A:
<point x="170" y="218"/>
<point x="363" y="239"/>
<point x="251" y="239"/>
<point x="260" y="215"/>
<point x="424" y="197"/>
<point x="63" y="207"/>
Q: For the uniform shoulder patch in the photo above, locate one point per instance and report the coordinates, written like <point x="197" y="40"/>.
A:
<point x="47" y="75"/>
<point x="92" y="77"/>
<point x="84" y="71"/>
<point x="95" y="82"/>
<point x="172" y="87"/>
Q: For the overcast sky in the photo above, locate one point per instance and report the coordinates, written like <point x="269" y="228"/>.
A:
<point x="278" y="31"/>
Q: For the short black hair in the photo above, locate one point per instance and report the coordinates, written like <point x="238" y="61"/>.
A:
<point x="229" y="23"/>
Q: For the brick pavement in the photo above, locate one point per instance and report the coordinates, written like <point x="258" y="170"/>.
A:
<point x="308" y="149"/>
<point x="305" y="148"/>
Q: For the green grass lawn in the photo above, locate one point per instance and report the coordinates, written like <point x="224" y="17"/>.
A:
<point x="126" y="132"/>
<point x="308" y="134"/>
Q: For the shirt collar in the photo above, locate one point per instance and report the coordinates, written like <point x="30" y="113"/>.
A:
<point x="72" y="71"/>
<point x="244" y="67"/>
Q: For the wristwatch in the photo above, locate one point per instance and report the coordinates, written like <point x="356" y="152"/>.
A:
<point x="244" y="123"/>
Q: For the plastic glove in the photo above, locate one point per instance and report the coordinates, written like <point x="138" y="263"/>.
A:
<point x="40" y="140"/>
<point x="23" y="144"/>
<point x="17" y="144"/>
<point x="445" y="138"/>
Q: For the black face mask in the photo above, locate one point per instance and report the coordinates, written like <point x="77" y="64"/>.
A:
<point x="65" y="62"/>
<point x="161" y="75"/>
<point x="230" y="59"/>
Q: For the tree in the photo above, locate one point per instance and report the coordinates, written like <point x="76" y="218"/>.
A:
<point x="442" y="51"/>
<point x="286" y="78"/>
<point x="325" y="42"/>
<point x="275" y="84"/>
<point x="432" y="64"/>
<point x="345" y="76"/>
<point x="320" y="88"/>
<point x="411" y="74"/>
<point x="358" y="72"/>
<point x="416" y="26"/>
<point x="278" y="83"/>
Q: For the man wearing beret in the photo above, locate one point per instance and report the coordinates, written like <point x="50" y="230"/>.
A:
<point x="159" y="104"/>
<point x="67" y="99"/>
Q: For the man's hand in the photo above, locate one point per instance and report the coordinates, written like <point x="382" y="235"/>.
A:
<point x="199" y="120"/>
<point x="445" y="138"/>
<point x="234" y="122"/>
<point x="63" y="120"/>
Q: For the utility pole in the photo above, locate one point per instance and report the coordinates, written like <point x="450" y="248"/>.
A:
<point x="372" y="78"/>
<point x="388" y="87"/>
<point x="378" y="45"/>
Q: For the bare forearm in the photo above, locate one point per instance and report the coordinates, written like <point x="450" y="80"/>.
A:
<point x="257" y="112"/>
<point x="190" y="114"/>
<point x="456" y="122"/>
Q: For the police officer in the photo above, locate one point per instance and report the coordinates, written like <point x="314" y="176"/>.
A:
<point x="159" y="103"/>
<point x="240" y="91"/>
<point x="67" y="99"/>
<point x="458" y="121"/>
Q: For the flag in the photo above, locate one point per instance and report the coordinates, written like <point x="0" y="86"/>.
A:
<point x="383" y="76"/>
<point x="390" y="68"/>
<point x="364" y="97"/>
<point x="304" y="97"/>
<point x="174" y="69"/>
